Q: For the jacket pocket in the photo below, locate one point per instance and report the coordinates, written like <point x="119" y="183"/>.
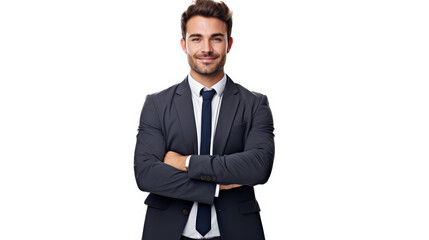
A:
<point x="157" y="201"/>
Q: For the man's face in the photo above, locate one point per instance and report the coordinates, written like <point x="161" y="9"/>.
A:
<point x="206" y="44"/>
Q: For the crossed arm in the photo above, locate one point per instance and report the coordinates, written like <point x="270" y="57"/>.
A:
<point x="163" y="172"/>
<point x="178" y="161"/>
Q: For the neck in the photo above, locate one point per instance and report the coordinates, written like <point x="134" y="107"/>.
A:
<point x="208" y="80"/>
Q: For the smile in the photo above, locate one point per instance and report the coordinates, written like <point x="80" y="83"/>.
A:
<point x="206" y="60"/>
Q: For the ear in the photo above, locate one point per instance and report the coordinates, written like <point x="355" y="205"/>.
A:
<point x="230" y="41"/>
<point x="183" y="44"/>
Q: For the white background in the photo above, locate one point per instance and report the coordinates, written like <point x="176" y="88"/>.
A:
<point x="347" y="82"/>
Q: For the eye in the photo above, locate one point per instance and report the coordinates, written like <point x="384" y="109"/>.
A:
<point x="195" y="39"/>
<point x="217" y="39"/>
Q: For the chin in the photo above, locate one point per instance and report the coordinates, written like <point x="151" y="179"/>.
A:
<point x="205" y="72"/>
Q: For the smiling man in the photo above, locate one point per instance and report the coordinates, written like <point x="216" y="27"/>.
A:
<point x="204" y="143"/>
<point x="206" y="43"/>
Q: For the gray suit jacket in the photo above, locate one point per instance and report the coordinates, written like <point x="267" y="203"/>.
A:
<point x="243" y="153"/>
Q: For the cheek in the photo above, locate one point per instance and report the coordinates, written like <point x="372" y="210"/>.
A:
<point x="224" y="48"/>
<point x="190" y="49"/>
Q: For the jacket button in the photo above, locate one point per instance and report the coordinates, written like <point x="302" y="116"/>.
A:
<point x="214" y="178"/>
<point x="185" y="212"/>
<point x="208" y="178"/>
<point x="203" y="177"/>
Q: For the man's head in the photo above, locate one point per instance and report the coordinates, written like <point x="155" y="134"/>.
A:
<point x="206" y="32"/>
<point x="208" y="8"/>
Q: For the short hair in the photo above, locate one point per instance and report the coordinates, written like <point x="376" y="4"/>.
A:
<point x="208" y="8"/>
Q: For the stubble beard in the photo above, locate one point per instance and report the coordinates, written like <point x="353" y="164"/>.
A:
<point x="206" y="70"/>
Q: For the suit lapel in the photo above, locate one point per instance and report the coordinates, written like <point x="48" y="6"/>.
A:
<point x="185" y="110"/>
<point x="227" y="113"/>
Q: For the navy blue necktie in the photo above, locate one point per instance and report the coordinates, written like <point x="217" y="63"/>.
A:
<point x="204" y="210"/>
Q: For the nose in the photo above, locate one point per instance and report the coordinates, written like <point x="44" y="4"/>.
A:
<point x="207" y="46"/>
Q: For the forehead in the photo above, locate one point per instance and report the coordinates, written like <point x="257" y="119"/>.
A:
<point x="205" y="26"/>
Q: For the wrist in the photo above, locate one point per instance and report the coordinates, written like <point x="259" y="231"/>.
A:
<point x="185" y="162"/>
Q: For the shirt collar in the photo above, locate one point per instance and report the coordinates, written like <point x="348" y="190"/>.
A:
<point x="196" y="87"/>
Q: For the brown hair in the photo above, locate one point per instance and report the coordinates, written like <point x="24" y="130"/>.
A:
<point x="208" y="8"/>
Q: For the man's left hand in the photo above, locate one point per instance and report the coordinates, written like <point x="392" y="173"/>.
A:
<point x="175" y="160"/>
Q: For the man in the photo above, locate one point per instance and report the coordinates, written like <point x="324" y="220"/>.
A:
<point x="204" y="143"/>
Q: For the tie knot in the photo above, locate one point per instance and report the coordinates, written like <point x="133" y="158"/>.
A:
<point x="208" y="95"/>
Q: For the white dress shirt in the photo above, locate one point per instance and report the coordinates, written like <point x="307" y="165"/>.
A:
<point x="190" y="230"/>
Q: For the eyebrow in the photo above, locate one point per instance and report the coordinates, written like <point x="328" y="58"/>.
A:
<point x="213" y="35"/>
<point x="218" y="35"/>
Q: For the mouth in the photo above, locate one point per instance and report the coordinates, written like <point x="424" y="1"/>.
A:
<point x="207" y="59"/>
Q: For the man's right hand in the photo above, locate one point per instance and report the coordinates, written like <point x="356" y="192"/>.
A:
<point x="230" y="186"/>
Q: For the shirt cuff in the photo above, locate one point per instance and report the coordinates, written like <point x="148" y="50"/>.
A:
<point x="217" y="190"/>
<point x="187" y="161"/>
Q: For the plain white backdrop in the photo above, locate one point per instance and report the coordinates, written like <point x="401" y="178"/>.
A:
<point x="347" y="82"/>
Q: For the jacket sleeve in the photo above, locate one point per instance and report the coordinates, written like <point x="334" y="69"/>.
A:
<point x="252" y="166"/>
<point x="152" y="175"/>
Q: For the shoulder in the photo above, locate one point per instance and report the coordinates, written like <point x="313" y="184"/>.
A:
<point x="165" y="97"/>
<point x="244" y="92"/>
<point x="164" y="93"/>
<point x="250" y="97"/>
<point x="255" y="103"/>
